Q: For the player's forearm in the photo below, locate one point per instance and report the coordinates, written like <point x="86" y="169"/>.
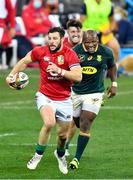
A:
<point x="74" y="75"/>
<point x="20" y="66"/>
<point x="112" y="73"/>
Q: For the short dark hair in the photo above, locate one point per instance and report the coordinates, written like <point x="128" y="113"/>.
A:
<point x="74" y="23"/>
<point x="60" y="30"/>
<point x="88" y="33"/>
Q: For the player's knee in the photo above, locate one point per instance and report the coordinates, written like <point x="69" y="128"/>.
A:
<point x="49" y="125"/>
<point x="85" y="126"/>
<point x="84" y="129"/>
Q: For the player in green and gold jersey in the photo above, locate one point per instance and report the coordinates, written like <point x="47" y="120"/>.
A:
<point x="95" y="60"/>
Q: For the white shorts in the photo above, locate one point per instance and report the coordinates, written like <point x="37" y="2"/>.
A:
<point x="63" y="109"/>
<point x="89" y="102"/>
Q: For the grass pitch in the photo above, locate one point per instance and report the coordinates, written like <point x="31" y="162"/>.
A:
<point x="109" y="154"/>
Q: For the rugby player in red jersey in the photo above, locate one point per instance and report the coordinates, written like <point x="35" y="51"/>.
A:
<point x="59" y="67"/>
<point x="74" y="32"/>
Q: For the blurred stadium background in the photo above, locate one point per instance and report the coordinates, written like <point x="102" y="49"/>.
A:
<point x="109" y="154"/>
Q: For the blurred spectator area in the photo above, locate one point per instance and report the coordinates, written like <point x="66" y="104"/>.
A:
<point x="20" y="5"/>
<point x="65" y="9"/>
<point x="119" y="2"/>
<point x="125" y="51"/>
<point x="20" y="29"/>
<point x="123" y="31"/>
<point x="69" y="9"/>
<point x="70" y="6"/>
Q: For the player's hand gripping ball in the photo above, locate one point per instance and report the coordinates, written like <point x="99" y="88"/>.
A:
<point x="19" y="81"/>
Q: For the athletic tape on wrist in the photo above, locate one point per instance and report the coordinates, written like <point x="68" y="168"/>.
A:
<point x="114" y="84"/>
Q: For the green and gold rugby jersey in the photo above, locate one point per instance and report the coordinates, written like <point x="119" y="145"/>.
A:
<point x="93" y="69"/>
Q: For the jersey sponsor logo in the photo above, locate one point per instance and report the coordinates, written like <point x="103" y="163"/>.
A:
<point x="60" y="59"/>
<point x="46" y="58"/>
<point x="90" y="58"/>
<point x="57" y="78"/>
<point x="53" y="73"/>
<point x="89" y="70"/>
<point x="81" y="57"/>
<point x="95" y="100"/>
<point x="54" y="76"/>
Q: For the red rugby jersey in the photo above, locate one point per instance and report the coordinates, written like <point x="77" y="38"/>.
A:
<point x="67" y="43"/>
<point x="52" y="85"/>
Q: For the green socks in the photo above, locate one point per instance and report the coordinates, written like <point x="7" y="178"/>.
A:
<point x="81" y="144"/>
<point x="60" y="151"/>
<point x="40" y="149"/>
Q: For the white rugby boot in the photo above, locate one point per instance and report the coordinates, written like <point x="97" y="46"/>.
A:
<point x="67" y="152"/>
<point x="32" y="164"/>
<point x="62" y="163"/>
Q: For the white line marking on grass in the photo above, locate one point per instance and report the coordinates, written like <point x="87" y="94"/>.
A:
<point x="125" y="92"/>
<point x="118" y="107"/>
<point x="17" y="107"/>
<point x="32" y="144"/>
<point x="34" y="107"/>
<point x="7" y="134"/>
<point x="16" y="102"/>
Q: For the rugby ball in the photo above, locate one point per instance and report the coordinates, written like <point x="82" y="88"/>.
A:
<point x="20" y="80"/>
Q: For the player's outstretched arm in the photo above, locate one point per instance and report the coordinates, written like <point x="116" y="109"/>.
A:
<point x="20" y="66"/>
<point x="112" y="73"/>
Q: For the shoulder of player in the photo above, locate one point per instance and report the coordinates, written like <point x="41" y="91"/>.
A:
<point x="65" y="41"/>
<point x="68" y="50"/>
<point x="78" y="47"/>
<point x="106" y="50"/>
<point x="40" y="48"/>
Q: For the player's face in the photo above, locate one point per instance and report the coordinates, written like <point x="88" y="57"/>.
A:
<point x="54" y="41"/>
<point x="90" y="44"/>
<point x="75" y="35"/>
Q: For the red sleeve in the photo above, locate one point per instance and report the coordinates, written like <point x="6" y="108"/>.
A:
<point x="35" y="54"/>
<point x="73" y="59"/>
<point x="11" y="13"/>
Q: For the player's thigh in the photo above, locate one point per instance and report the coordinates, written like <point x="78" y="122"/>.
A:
<point x="90" y="108"/>
<point x="46" y="108"/>
<point x="86" y="119"/>
<point x="48" y="115"/>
